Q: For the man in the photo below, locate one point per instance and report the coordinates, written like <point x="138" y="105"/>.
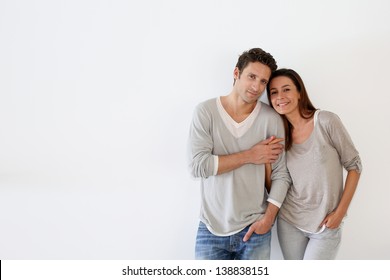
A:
<point x="229" y="143"/>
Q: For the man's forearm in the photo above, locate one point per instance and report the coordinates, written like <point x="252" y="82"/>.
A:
<point x="231" y="162"/>
<point x="261" y="153"/>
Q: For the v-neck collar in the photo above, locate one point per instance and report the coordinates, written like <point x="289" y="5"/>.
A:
<point x="235" y="128"/>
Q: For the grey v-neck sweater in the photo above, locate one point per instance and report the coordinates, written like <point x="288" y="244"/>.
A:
<point x="233" y="200"/>
<point x="316" y="168"/>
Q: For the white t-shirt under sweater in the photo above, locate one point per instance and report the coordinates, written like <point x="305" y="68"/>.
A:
<point x="233" y="200"/>
<point x="316" y="168"/>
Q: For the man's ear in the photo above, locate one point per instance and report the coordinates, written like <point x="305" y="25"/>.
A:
<point x="236" y="73"/>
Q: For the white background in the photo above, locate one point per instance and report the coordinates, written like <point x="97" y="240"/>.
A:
<point x="96" y="98"/>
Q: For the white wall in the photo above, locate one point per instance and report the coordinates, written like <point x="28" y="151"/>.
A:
<point x="96" y="98"/>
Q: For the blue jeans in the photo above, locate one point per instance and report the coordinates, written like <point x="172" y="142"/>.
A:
<point x="211" y="247"/>
<point x="299" y="245"/>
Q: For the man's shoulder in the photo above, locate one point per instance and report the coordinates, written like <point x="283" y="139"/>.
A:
<point x="266" y="107"/>
<point x="209" y="101"/>
<point x="208" y="104"/>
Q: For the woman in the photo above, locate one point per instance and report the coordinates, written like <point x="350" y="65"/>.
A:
<point x="318" y="148"/>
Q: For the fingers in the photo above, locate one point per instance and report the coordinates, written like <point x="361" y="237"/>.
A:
<point x="276" y="140"/>
<point x="271" y="140"/>
<point x="265" y="152"/>
<point x="249" y="233"/>
<point x="275" y="150"/>
<point x="268" y="141"/>
<point x="276" y="147"/>
<point x="324" y="222"/>
<point x="273" y="158"/>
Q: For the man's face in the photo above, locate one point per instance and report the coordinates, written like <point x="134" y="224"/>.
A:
<point x="252" y="82"/>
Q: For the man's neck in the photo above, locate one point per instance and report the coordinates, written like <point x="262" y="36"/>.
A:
<point x="237" y="108"/>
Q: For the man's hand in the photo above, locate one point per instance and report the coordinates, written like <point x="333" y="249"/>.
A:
<point x="263" y="225"/>
<point x="259" y="227"/>
<point x="266" y="151"/>
<point x="262" y="152"/>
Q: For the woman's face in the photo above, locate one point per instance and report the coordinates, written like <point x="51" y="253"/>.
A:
<point x="284" y="95"/>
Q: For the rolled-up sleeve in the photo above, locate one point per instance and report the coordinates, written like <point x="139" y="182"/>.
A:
<point x="349" y="155"/>
<point x="354" y="164"/>
<point x="200" y="145"/>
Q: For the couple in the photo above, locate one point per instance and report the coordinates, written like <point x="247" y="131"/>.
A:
<point x="234" y="141"/>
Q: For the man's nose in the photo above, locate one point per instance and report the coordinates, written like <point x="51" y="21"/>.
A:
<point x="256" y="86"/>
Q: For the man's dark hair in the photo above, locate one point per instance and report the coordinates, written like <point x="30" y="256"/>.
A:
<point x="256" y="55"/>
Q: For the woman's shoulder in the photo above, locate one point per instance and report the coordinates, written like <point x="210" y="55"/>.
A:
<point x="327" y="118"/>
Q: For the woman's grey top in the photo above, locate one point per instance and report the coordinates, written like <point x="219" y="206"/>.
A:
<point x="316" y="168"/>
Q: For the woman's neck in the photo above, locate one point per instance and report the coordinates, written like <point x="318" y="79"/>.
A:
<point x="297" y="121"/>
<point x="301" y="127"/>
